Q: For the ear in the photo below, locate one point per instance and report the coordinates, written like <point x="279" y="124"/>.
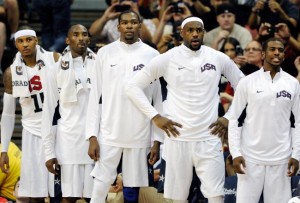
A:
<point x="181" y="33"/>
<point x="67" y="41"/>
<point x="118" y="26"/>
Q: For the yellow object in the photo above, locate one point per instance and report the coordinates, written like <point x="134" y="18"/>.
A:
<point x="8" y="181"/>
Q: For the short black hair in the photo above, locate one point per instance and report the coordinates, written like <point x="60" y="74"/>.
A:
<point x="74" y="26"/>
<point x="25" y="27"/>
<point x="272" y="39"/>
<point x="129" y="11"/>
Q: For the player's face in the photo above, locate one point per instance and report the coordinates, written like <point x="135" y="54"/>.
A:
<point x="78" y="40"/>
<point x="26" y="45"/>
<point x="192" y="34"/>
<point x="274" y="54"/>
<point x="129" y="28"/>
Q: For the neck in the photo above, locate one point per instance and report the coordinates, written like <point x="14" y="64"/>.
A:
<point x="75" y="55"/>
<point x="273" y="69"/>
<point x="30" y="60"/>
<point x="129" y="41"/>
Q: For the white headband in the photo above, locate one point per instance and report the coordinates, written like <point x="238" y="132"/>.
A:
<point x="191" y="19"/>
<point x="22" y="33"/>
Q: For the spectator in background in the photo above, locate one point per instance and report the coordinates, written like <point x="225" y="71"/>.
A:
<point x="169" y="41"/>
<point x="55" y="16"/>
<point x="9" y="180"/>
<point x="273" y="12"/>
<point x="232" y="48"/>
<point x="2" y="44"/>
<point x="227" y="28"/>
<point x="243" y="10"/>
<point x="297" y="65"/>
<point x="254" y="58"/>
<point x="10" y="12"/>
<point x="175" y="12"/>
<point x="106" y="26"/>
<point x="9" y="23"/>
<point x="207" y="12"/>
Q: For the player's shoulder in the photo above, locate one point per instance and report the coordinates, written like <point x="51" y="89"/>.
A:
<point x="289" y="77"/>
<point x="208" y="51"/>
<point x="253" y="77"/>
<point x="108" y="48"/>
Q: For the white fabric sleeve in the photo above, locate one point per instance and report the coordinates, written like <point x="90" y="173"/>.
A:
<point x="134" y="89"/>
<point x="231" y="71"/>
<point x="94" y="106"/>
<point x="158" y="134"/>
<point x="234" y="131"/>
<point x="234" y="75"/>
<point x="296" y="132"/>
<point x="7" y="120"/>
<point x="51" y="96"/>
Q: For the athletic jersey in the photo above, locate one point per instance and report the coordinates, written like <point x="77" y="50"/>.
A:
<point x="192" y="81"/>
<point x="8" y="181"/>
<point x="265" y="137"/>
<point x="69" y="145"/>
<point x="32" y="106"/>
<point x="121" y="123"/>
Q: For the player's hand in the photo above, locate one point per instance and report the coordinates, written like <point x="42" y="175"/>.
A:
<point x="220" y="127"/>
<point x="239" y="165"/>
<point x="293" y="167"/>
<point x="94" y="148"/>
<point x="4" y="162"/>
<point x="52" y="166"/>
<point x="167" y="125"/>
<point x="118" y="186"/>
<point x="154" y="153"/>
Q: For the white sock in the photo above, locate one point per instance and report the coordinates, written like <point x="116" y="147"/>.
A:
<point x="100" y="191"/>
<point x="179" y="201"/>
<point x="218" y="199"/>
